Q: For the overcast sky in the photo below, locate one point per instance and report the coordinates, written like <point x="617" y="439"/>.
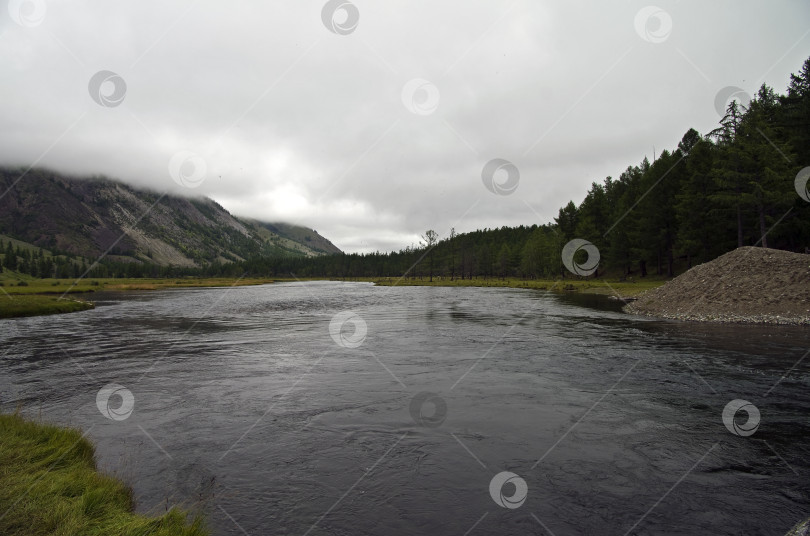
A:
<point x="373" y="121"/>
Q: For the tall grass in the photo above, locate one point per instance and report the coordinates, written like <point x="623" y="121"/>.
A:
<point x="49" y="486"/>
<point x="12" y="306"/>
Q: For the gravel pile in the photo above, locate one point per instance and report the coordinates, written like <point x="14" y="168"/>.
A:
<point x="747" y="285"/>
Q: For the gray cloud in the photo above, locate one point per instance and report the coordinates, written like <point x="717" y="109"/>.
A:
<point x="297" y="123"/>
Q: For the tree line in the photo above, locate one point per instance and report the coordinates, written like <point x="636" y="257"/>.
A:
<point x="731" y="187"/>
<point x="62" y="265"/>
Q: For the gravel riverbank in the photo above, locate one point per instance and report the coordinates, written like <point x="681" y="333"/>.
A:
<point x="747" y="285"/>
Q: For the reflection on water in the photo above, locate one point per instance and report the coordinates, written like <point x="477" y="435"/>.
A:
<point x="245" y="407"/>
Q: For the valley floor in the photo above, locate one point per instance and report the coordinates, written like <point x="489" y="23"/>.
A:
<point x="33" y="297"/>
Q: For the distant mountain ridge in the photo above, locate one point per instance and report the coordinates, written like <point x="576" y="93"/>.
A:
<point x="300" y="235"/>
<point x="91" y="216"/>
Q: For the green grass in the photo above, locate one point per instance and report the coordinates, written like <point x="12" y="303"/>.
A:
<point x="22" y="295"/>
<point x="11" y="285"/>
<point x="591" y="286"/>
<point x="34" y="305"/>
<point x="42" y="296"/>
<point x="49" y="486"/>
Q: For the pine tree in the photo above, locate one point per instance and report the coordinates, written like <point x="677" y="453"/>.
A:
<point x="10" y="257"/>
<point x="504" y="259"/>
<point x="430" y="238"/>
<point x="769" y="168"/>
<point x="452" y="253"/>
<point x="796" y="113"/>
<point x="701" y="232"/>
<point x="730" y="160"/>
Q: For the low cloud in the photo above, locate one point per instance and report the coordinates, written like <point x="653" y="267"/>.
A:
<point x="297" y="123"/>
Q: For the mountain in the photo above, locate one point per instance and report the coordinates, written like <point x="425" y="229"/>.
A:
<point x="91" y="216"/>
<point x="301" y="236"/>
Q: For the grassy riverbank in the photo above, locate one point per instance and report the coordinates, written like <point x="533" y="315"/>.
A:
<point x="49" y="486"/>
<point x="36" y="304"/>
<point x="591" y="286"/>
<point x="26" y="296"/>
<point x="30" y="297"/>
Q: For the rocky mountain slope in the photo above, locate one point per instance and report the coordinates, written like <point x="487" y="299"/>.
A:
<point x="91" y="216"/>
<point x="297" y="237"/>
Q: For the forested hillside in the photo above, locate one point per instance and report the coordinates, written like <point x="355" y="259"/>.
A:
<point x="742" y="184"/>
<point x="734" y="186"/>
<point x="55" y="225"/>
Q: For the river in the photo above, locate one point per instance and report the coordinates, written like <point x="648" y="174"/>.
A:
<point x="344" y="408"/>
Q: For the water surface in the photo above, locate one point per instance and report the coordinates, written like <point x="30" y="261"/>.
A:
<point x="246" y="408"/>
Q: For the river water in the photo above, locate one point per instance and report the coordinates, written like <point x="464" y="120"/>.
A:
<point x="344" y="408"/>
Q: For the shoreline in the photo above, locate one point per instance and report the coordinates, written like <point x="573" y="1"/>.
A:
<point x="725" y="318"/>
<point x="621" y="290"/>
<point x="39" y="297"/>
<point x="21" y="306"/>
<point x="43" y="297"/>
<point x="627" y="292"/>
<point x="50" y="483"/>
<point x="748" y="285"/>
